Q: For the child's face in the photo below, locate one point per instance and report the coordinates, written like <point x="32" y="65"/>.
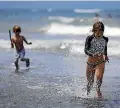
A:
<point x="98" y="32"/>
<point x="17" y="32"/>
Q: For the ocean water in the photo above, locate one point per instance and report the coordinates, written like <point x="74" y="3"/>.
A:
<point x="56" y="77"/>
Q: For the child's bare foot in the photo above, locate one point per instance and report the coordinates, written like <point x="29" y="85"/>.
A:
<point x="99" y="94"/>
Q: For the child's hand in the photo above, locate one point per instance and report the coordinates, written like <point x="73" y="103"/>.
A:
<point x="97" y="55"/>
<point x="106" y="58"/>
<point x="30" y="43"/>
<point x="12" y="46"/>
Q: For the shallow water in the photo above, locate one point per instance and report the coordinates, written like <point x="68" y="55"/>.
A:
<point x="54" y="80"/>
<point x="56" y="77"/>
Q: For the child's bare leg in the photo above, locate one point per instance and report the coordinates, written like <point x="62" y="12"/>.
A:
<point x="27" y="61"/>
<point x="16" y="64"/>
<point x="90" y="72"/>
<point x="99" y="78"/>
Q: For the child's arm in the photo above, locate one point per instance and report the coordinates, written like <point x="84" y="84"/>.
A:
<point x="24" y="39"/>
<point x="105" y="51"/>
<point x="12" y="43"/>
<point x="87" y="46"/>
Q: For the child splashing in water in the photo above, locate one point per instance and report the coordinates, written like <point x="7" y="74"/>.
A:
<point x="17" y="40"/>
<point x="96" y="49"/>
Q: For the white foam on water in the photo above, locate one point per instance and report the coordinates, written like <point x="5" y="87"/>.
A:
<point x="69" y="29"/>
<point x="87" y="10"/>
<point x="72" y="46"/>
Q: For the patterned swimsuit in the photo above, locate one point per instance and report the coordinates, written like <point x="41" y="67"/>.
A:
<point x="95" y="46"/>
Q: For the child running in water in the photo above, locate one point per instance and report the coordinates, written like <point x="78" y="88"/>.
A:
<point x="17" y="40"/>
<point x="96" y="49"/>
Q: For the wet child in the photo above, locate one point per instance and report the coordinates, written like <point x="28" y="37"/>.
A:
<point x="17" y="41"/>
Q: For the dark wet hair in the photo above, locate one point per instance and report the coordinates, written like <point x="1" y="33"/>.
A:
<point x="98" y="25"/>
<point x="16" y="29"/>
